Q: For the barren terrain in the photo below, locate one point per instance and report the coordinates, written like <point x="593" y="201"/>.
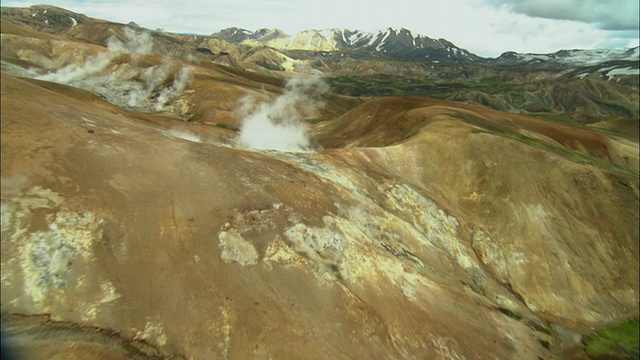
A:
<point x="135" y="225"/>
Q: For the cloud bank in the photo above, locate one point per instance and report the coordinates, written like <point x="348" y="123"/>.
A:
<point x="608" y="15"/>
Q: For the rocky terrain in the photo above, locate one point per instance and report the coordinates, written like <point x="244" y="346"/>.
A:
<point x="174" y="196"/>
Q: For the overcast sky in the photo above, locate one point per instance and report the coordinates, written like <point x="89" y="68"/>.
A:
<point x="484" y="27"/>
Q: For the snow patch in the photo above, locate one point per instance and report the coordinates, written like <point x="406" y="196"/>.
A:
<point x="586" y="57"/>
<point x="597" y="56"/>
<point x="384" y="38"/>
<point x="602" y="70"/>
<point x="532" y="57"/>
<point x="622" y="71"/>
<point x="355" y="37"/>
<point x="372" y="39"/>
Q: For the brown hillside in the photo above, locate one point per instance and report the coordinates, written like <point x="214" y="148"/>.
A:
<point x="420" y="228"/>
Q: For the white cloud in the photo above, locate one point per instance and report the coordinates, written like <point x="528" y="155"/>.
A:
<point x="477" y="25"/>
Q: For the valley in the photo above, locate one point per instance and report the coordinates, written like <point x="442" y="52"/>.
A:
<point x="450" y="208"/>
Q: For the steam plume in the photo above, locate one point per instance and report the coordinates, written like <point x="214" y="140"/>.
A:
<point x="137" y="44"/>
<point x="277" y="125"/>
<point x="126" y="85"/>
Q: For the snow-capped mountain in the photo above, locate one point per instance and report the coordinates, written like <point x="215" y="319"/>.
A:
<point x="570" y="57"/>
<point x="610" y="63"/>
<point x="390" y="42"/>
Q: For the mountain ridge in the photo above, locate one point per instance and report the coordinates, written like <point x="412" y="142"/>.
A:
<point x="398" y="43"/>
<point x="391" y="42"/>
<point x="387" y="40"/>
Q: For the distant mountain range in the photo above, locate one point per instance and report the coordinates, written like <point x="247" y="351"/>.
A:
<point x="403" y="44"/>
<point x="583" y="85"/>
<point x="573" y="57"/>
<point x="390" y="43"/>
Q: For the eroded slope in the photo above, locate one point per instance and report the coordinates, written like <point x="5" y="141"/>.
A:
<point x="111" y="221"/>
<point x="424" y="229"/>
<point x="450" y="232"/>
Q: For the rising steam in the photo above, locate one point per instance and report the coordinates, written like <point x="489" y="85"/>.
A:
<point x="125" y="84"/>
<point x="278" y="125"/>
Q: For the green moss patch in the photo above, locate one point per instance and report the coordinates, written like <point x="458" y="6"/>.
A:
<point x="193" y="118"/>
<point x="387" y="85"/>
<point x="616" y="342"/>
<point x="617" y="107"/>
<point x="226" y="127"/>
<point x="563" y="120"/>
<point x="573" y="155"/>
<point x="510" y="313"/>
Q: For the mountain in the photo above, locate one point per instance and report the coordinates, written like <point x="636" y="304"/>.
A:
<point x="46" y="18"/>
<point x="390" y="43"/>
<point x="141" y="219"/>
<point x="569" y="57"/>
<point x="611" y="64"/>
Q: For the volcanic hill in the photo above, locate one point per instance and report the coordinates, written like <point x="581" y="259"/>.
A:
<point x="138" y="224"/>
